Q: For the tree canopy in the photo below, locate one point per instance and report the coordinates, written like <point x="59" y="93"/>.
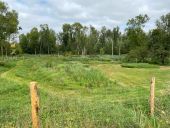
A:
<point x="8" y="26"/>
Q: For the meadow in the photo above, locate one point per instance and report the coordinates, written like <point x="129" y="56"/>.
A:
<point x="83" y="91"/>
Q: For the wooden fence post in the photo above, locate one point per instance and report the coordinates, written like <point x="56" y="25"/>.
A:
<point x="34" y="105"/>
<point x="152" y="96"/>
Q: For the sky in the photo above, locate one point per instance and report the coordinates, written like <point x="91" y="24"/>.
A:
<point x="109" y="13"/>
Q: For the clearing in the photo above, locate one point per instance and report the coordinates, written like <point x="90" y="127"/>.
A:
<point x="82" y="92"/>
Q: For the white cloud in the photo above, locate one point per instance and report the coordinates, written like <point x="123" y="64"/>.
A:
<point x="95" y="12"/>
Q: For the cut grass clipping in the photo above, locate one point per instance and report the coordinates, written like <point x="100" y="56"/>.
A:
<point x="139" y="65"/>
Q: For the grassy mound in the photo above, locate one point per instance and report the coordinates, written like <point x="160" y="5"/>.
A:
<point x="139" y="65"/>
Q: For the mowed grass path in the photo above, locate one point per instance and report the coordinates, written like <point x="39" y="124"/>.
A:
<point x="137" y="77"/>
<point x="82" y="92"/>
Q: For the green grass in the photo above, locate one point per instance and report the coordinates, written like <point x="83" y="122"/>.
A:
<point x="83" y="92"/>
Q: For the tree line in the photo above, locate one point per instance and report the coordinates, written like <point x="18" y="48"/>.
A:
<point x="77" y="39"/>
<point x="39" y="42"/>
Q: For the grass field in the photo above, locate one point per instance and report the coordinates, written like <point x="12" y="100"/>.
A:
<point x="85" y="92"/>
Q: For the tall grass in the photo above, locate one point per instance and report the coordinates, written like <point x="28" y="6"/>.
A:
<point x="88" y="77"/>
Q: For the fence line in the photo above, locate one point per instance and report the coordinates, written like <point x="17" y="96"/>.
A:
<point x="35" y="102"/>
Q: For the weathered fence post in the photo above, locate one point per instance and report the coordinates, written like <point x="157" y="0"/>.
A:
<point x="152" y="96"/>
<point x="34" y="105"/>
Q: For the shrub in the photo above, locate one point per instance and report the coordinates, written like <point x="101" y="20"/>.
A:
<point x="139" y="65"/>
<point x="68" y="53"/>
<point x="102" y="51"/>
<point x="2" y="63"/>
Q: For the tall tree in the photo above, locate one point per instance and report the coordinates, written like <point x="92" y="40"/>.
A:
<point x="47" y="39"/>
<point x="160" y="41"/>
<point x="77" y="34"/>
<point x="102" y="40"/>
<point x="34" y="40"/>
<point x="66" y="37"/>
<point x="23" y="40"/>
<point x="115" y="37"/>
<point x="137" y="38"/>
<point x="52" y="41"/>
<point x="8" y="25"/>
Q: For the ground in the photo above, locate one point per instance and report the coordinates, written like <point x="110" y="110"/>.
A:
<point x="80" y="91"/>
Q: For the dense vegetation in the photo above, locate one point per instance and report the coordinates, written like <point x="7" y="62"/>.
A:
<point x="139" y="46"/>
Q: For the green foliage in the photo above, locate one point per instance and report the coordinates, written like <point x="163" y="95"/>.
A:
<point x="68" y="53"/>
<point x="102" y="51"/>
<point x="6" y="64"/>
<point x="137" y="55"/>
<point x="9" y="26"/>
<point x="159" y="41"/>
<point x="137" y="39"/>
<point x="88" y="40"/>
<point x="139" y="65"/>
<point x="2" y="63"/>
<point x="39" y="42"/>
<point x="15" y="49"/>
<point x="138" y="21"/>
<point x="18" y="49"/>
<point x="33" y="38"/>
<point x="23" y="41"/>
<point x="154" y="46"/>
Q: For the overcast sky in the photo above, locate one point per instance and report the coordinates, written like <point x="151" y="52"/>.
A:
<point x="109" y="13"/>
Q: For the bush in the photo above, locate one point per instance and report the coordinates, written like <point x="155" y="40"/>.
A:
<point x="2" y="63"/>
<point x="68" y="53"/>
<point x="102" y="51"/>
<point x="139" y="65"/>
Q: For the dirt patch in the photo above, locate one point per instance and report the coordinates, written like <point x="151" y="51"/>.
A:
<point x="165" y="67"/>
